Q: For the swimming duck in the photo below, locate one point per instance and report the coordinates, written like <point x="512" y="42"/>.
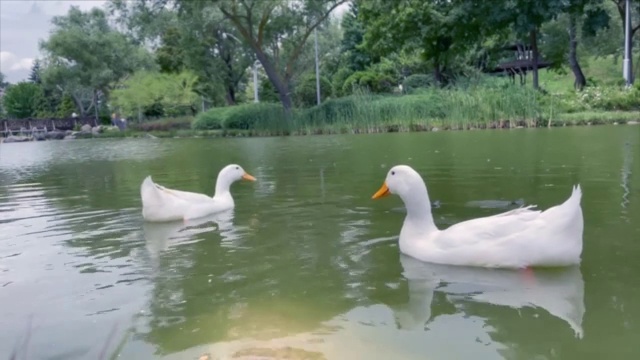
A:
<point x="161" y="204"/>
<point x="519" y="238"/>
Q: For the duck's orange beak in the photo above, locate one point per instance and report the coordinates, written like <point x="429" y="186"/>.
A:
<point x="248" y="177"/>
<point x="382" y="192"/>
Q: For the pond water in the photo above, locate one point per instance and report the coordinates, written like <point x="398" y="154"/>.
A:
<point x="308" y="266"/>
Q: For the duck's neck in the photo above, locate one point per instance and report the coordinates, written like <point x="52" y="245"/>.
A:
<point x="419" y="217"/>
<point x="222" y="188"/>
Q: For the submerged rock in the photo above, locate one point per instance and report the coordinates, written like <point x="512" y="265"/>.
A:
<point x="495" y="204"/>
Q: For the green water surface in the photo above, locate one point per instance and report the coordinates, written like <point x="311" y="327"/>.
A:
<point x="307" y="265"/>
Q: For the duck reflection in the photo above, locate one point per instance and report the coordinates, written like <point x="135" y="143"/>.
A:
<point x="161" y="236"/>
<point x="558" y="291"/>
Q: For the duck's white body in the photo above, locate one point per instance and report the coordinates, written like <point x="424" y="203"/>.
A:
<point x="161" y="204"/>
<point x="515" y="239"/>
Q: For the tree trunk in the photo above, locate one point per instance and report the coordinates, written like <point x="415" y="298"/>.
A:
<point x="534" y="60"/>
<point x="79" y="105"/>
<point x="230" y="82"/>
<point x="437" y="73"/>
<point x="280" y="84"/>
<point x="231" y="95"/>
<point x="580" y="81"/>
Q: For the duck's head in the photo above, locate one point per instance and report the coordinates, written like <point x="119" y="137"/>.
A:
<point x="232" y="173"/>
<point x="401" y="180"/>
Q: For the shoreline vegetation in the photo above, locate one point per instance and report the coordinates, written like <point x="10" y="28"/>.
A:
<point x="481" y="107"/>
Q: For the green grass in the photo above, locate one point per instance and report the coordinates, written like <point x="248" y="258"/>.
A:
<point x="604" y="71"/>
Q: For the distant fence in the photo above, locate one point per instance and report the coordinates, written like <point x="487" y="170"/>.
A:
<point x="14" y="125"/>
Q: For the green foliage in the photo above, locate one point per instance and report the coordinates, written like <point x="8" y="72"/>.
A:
<point x="21" y="100"/>
<point x="168" y="124"/>
<point x="442" y="31"/>
<point x="66" y="107"/>
<point x="279" y="36"/>
<point x="338" y="79"/>
<point x="305" y="92"/>
<point x="254" y="116"/>
<point x="34" y="76"/>
<point x="46" y="105"/>
<point x="170" y="56"/>
<point x="85" y="51"/>
<point x="173" y="92"/>
<point x="357" y="58"/>
<point x="417" y="81"/>
<point x="367" y="80"/>
<point x="241" y="117"/>
<point x="212" y="119"/>
<point x="435" y="106"/>
<point x="610" y="98"/>
<point x="267" y="92"/>
<point x="330" y="111"/>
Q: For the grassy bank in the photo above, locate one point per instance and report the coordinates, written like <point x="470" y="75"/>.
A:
<point x="475" y="103"/>
<point x="492" y="103"/>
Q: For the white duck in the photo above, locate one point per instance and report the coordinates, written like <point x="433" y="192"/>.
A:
<point x="515" y="239"/>
<point x="160" y="204"/>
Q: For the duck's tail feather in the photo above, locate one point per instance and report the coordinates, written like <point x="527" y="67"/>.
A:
<point x="576" y="196"/>
<point x="149" y="193"/>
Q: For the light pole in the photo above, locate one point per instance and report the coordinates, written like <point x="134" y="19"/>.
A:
<point x="255" y="81"/>
<point x="627" y="71"/>
<point x="315" y="34"/>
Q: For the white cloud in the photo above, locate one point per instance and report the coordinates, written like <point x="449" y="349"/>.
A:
<point x="10" y="62"/>
<point x="23" y="24"/>
<point x="5" y="58"/>
<point x="22" y="64"/>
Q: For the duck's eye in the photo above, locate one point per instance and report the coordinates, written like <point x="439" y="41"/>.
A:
<point x="393" y="173"/>
<point x="237" y="168"/>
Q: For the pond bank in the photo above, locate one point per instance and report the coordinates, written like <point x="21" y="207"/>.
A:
<point x="564" y="120"/>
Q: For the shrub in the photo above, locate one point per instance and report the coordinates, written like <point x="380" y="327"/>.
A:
<point x="374" y="82"/>
<point x="338" y="80"/>
<point x="417" y="81"/>
<point x="251" y="116"/>
<point x="241" y="117"/>
<point x="211" y="119"/>
<point x="610" y="98"/>
<point x="329" y="111"/>
<point x="305" y="92"/>
<point x="169" y="124"/>
<point x="267" y="92"/>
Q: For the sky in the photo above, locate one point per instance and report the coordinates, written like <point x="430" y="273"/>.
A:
<point x="23" y="23"/>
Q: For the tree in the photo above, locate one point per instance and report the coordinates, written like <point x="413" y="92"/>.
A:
<point x="441" y="30"/>
<point x="172" y="92"/>
<point x="214" y="49"/>
<point x="20" y="100"/>
<point x="34" y="76"/>
<point x="352" y="39"/>
<point x="635" y="18"/>
<point x="91" y="54"/>
<point x="635" y="7"/>
<point x="272" y="28"/>
<point x="171" y="56"/>
<point x="192" y="36"/>
<point x="581" y="20"/>
<point x="527" y="17"/>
